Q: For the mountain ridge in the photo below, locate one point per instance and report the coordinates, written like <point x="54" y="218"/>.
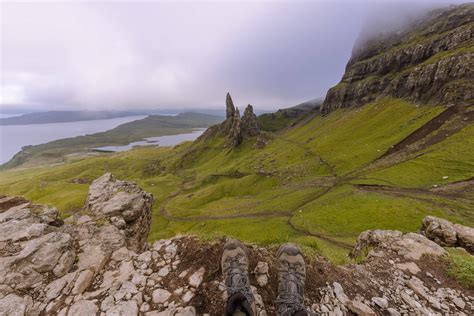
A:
<point x="431" y="63"/>
<point x="65" y="116"/>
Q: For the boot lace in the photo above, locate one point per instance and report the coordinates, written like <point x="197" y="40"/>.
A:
<point x="238" y="279"/>
<point x="290" y="298"/>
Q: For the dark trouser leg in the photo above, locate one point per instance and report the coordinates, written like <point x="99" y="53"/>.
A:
<point x="237" y="304"/>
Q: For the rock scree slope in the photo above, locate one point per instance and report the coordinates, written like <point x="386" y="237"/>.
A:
<point x="91" y="264"/>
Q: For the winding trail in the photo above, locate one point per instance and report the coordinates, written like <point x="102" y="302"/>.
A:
<point x="273" y="214"/>
<point x="267" y="214"/>
<point x="407" y="149"/>
<point x="319" y="236"/>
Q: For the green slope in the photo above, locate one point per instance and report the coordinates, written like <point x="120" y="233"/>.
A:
<point x="303" y="187"/>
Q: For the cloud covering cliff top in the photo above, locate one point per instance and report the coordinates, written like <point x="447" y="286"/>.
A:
<point x="91" y="55"/>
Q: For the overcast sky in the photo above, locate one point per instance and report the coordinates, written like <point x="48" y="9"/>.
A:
<point x="110" y="55"/>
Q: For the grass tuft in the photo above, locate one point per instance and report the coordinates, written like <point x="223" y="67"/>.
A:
<point x="461" y="266"/>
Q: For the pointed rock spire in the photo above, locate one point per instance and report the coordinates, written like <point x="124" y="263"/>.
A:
<point x="250" y="125"/>
<point x="235" y="128"/>
<point x="235" y="134"/>
<point x="230" y="108"/>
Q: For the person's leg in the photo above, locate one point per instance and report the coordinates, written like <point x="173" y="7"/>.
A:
<point x="291" y="281"/>
<point x="301" y="313"/>
<point x="235" y="265"/>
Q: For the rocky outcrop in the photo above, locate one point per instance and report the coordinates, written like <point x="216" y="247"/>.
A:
<point x="235" y="128"/>
<point x="250" y="125"/>
<point x="429" y="62"/>
<point x="87" y="266"/>
<point x="31" y="245"/>
<point x="46" y="264"/>
<point x="411" y="246"/>
<point x="124" y="205"/>
<point x="234" y="133"/>
<point x="230" y="108"/>
<point x="448" y="234"/>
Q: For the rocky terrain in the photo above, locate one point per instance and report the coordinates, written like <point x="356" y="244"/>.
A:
<point x="431" y="61"/>
<point x="97" y="262"/>
<point x="235" y="128"/>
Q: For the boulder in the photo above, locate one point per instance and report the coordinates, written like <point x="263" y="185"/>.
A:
<point x="359" y="308"/>
<point x="380" y="301"/>
<point x="38" y="255"/>
<point x="128" y="308"/>
<point x="448" y="234"/>
<point x="373" y="238"/>
<point x="195" y="279"/>
<point x="411" y="246"/>
<point x="409" y="266"/>
<point x="83" y="308"/>
<point x="14" y="305"/>
<point x="57" y="263"/>
<point x="465" y="237"/>
<point x="440" y="231"/>
<point x="261" y="273"/>
<point x="160" y="296"/>
<point x="339" y="292"/>
<point x="111" y="198"/>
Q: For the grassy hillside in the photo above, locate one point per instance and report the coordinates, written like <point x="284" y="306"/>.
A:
<point x="62" y="150"/>
<point x="273" y="122"/>
<point x="312" y="184"/>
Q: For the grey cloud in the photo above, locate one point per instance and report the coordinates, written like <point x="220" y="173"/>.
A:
<point x="183" y="54"/>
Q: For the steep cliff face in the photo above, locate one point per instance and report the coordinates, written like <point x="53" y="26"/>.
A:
<point x="431" y="61"/>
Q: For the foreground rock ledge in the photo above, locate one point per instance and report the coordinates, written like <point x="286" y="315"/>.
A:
<point x="125" y="205"/>
<point x="98" y="263"/>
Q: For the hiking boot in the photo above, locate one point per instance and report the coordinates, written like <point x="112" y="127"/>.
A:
<point x="235" y="267"/>
<point x="291" y="280"/>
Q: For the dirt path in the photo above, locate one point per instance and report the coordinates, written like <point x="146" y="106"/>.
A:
<point x="320" y="236"/>
<point x="427" y="196"/>
<point x="434" y="131"/>
<point x="271" y="214"/>
<point x="268" y="214"/>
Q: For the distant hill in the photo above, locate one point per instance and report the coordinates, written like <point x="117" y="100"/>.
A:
<point x="154" y="125"/>
<point x="272" y="122"/>
<point x="65" y="116"/>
